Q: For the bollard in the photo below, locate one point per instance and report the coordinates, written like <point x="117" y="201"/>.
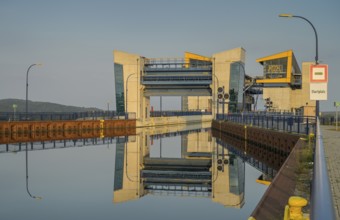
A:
<point x="293" y="211"/>
<point x="311" y="138"/>
<point x="101" y="135"/>
<point x="245" y="132"/>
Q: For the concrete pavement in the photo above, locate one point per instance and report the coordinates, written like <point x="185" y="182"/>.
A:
<point x="331" y="141"/>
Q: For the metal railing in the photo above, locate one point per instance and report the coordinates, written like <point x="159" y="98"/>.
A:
<point x="280" y="122"/>
<point x="54" y="116"/>
<point x="178" y="113"/>
<point x="322" y="202"/>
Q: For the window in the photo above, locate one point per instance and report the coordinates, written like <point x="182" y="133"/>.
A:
<point x="119" y="85"/>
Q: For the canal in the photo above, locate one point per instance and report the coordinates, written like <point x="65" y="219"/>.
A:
<point x="181" y="172"/>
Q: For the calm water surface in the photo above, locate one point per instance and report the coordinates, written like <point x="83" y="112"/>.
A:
<point x="137" y="178"/>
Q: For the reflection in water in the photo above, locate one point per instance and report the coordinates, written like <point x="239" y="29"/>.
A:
<point x="27" y="189"/>
<point x="183" y="160"/>
<point x="202" y="168"/>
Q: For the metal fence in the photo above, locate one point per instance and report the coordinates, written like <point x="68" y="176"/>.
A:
<point x="322" y="202"/>
<point x="280" y="122"/>
<point x="177" y="113"/>
<point x="53" y="116"/>
<point x="330" y="120"/>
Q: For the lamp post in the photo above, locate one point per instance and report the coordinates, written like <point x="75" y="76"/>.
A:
<point x="126" y="91"/>
<point x="214" y="93"/>
<point x="26" y="107"/>
<point x="14" y="110"/>
<point x="26" y="111"/>
<point x="316" y="48"/>
<point x="243" y="89"/>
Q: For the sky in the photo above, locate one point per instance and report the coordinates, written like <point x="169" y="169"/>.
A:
<point x="74" y="40"/>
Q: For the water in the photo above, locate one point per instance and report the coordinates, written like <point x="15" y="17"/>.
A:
<point x="91" y="182"/>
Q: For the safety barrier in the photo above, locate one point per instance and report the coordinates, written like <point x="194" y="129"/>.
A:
<point x="178" y="113"/>
<point x="63" y="116"/>
<point x="287" y="123"/>
<point x="322" y="201"/>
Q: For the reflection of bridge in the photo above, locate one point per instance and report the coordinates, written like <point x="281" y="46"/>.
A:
<point x="194" y="172"/>
<point x="205" y="168"/>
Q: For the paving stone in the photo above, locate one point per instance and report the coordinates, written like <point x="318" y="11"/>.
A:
<point x="331" y="141"/>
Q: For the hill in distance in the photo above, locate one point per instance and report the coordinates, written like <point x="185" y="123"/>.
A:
<point x="6" y="105"/>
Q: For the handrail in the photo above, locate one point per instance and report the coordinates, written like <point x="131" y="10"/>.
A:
<point x="55" y="116"/>
<point x="322" y="202"/>
<point x="281" y="122"/>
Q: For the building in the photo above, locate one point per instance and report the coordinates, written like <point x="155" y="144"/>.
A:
<point x="285" y="86"/>
<point x="194" y="77"/>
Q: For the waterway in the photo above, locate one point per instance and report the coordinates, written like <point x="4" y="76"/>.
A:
<point x="179" y="173"/>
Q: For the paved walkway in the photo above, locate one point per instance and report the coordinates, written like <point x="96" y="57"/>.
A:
<point x="331" y="141"/>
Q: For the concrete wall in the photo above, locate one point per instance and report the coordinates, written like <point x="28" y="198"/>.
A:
<point x="161" y="121"/>
<point x="221" y="72"/>
<point x="134" y="99"/>
<point x="301" y="96"/>
<point x="199" y="102"/>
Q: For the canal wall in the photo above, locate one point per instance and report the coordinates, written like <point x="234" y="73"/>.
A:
<point x="268" y="139"/>
<point x="174" y="120"/>
<point x="25" y="131"/>
<point x="292" y="179"/>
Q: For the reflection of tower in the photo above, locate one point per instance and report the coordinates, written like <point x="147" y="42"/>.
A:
<point x="228" y="176"/>
<point x="186" y="175"/>
<point x="194" y="173"/>
<point x="126" y="183"/>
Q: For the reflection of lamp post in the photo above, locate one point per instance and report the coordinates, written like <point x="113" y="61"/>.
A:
<point x="316" y="47"/>
<point x="26" y="111"/>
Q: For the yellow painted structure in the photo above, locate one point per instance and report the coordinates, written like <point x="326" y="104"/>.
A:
<point x="276" y="68"/>
<point x="288" y="99"/>
<point x="195" y="103"/>
<point x="285" y="84"/>
<point x="192" y="56"/>
<point x="293" y="211"/>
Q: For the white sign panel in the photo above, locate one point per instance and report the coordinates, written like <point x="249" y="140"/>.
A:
<point x="318" y="91"/>
<point x="319" y="73"/>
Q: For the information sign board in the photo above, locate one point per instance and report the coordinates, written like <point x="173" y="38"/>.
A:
<point x="318" y="91"/>
<point x="319" y="73"/>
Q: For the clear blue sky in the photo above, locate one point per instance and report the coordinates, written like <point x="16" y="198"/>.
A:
<point x="74" y="40"/>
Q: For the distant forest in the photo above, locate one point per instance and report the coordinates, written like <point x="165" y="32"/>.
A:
<point x="6" y="105"/>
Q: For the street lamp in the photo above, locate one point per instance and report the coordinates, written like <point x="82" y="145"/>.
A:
<point x="126" y="91"/>
<point x="26" y="111"/>
<point x="316" y="34"/>
<point x="26" y="108"/>
<point x="316" y="48"/>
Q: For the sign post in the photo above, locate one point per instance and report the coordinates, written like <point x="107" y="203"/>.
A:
<point x="318" y="84"/>
<point x="336" y="104"/>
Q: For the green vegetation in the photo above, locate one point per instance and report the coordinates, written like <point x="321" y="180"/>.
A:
<point x="6" y="105"/>
<point x="304" y="172"/>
